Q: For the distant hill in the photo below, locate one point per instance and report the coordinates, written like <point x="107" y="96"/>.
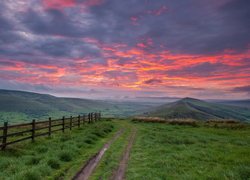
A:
<point x="19" y="106"/>
<point x="22" y="105"/>
<point x="240" y="103"/>
<point x="200" y="110"/>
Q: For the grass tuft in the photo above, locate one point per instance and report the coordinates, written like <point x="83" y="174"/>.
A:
<point x="65" y="156"/>
<point x="54" y="163"/>
<point x="31" y="175"/>
<point x="33" y="160"/>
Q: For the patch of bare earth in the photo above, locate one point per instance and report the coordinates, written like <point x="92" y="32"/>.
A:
<point x="91" y="164"/>
<point x="120" y="172"/>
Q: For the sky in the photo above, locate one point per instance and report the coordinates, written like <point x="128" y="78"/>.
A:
<point x="122" y="49"/>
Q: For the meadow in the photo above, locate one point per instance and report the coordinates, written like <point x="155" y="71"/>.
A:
<point x="163" y="151"/>
<point x="160" y="151"/>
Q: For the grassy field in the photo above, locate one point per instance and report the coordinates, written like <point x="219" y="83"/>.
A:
<point x="160" y="151"/>
<point x="57" y="157"/>
<point x="163" y="151"/>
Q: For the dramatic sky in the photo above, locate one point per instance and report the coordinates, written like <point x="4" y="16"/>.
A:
<point x="126" y="48"/>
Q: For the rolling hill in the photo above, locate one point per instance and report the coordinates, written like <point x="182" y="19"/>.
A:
<point x="20" y="106"/>
<point x="200" y="110"/>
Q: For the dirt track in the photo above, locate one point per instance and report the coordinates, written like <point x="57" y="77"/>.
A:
<point x="120" y="173"/>
<point x="90" y="166"/>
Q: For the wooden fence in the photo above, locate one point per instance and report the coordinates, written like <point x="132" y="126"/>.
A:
<point x="12" y="134"/>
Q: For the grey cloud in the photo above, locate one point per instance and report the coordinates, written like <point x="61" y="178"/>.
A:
<point x="202" y="69"/>
<point x="242" y="89"/>
<point x="153" y="81"/>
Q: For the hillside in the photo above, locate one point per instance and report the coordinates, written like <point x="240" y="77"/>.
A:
<point x="26" y="105"/>
<point x="20" y="106"/>
<point x="200" y="110"/>
<point x="240" y="103"/>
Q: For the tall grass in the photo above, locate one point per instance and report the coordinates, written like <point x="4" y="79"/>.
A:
<point x="56" y="157"/>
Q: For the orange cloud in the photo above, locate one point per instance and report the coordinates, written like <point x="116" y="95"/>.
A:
<point x="135" y="69"/>
<point x="70" y="3"/>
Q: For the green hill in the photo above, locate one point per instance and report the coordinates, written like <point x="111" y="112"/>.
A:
<point x="240" y="103"/>
<point x="20" y="106"/>
<point x="200" y="110"/>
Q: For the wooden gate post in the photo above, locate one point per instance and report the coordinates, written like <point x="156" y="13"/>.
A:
<point x="5" y="132"/>
<point x="49" y="126"/>
<point x="70" y="123"/>
<point x="33" y="130"/>
<point x="79" y="120"/>
<point x="63" y="123"/>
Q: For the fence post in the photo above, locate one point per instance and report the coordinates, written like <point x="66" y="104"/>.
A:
<point x="33" y="130"/>
<point x="70" y="124"/>
<point x="83" y="119"/>
<point x="49" y="126"/>
<point x="79" y="120"/>
<point x="89" y="117"/>
<point x="5" y="132"/>
<point x="63" y="123"/>
<point x="95" y="117"/>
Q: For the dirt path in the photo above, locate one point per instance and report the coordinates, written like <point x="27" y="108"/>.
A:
<point x="120" y="173"/>
<point x="90" y="166"/>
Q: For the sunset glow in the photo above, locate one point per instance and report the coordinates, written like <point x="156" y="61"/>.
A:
<point x="113" y="48"/>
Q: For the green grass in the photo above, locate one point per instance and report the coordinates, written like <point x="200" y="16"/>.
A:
<point x="60" y="156"/>
<point x="160" y="151"/>
<point x="164" y="151"/>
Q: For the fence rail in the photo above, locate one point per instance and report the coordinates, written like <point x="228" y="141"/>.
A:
<point x="12" y="134"/>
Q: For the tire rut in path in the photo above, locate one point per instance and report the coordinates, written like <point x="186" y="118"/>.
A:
<point x="91" y="164"/>
<point x="120" y="172"/>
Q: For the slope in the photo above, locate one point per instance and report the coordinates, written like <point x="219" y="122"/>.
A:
<point x="200" y="110"/>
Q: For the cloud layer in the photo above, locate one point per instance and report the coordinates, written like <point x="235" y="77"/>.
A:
<point x="107" y="48"/>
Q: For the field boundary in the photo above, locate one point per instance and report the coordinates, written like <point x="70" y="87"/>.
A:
<point x="11" y="134"/>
